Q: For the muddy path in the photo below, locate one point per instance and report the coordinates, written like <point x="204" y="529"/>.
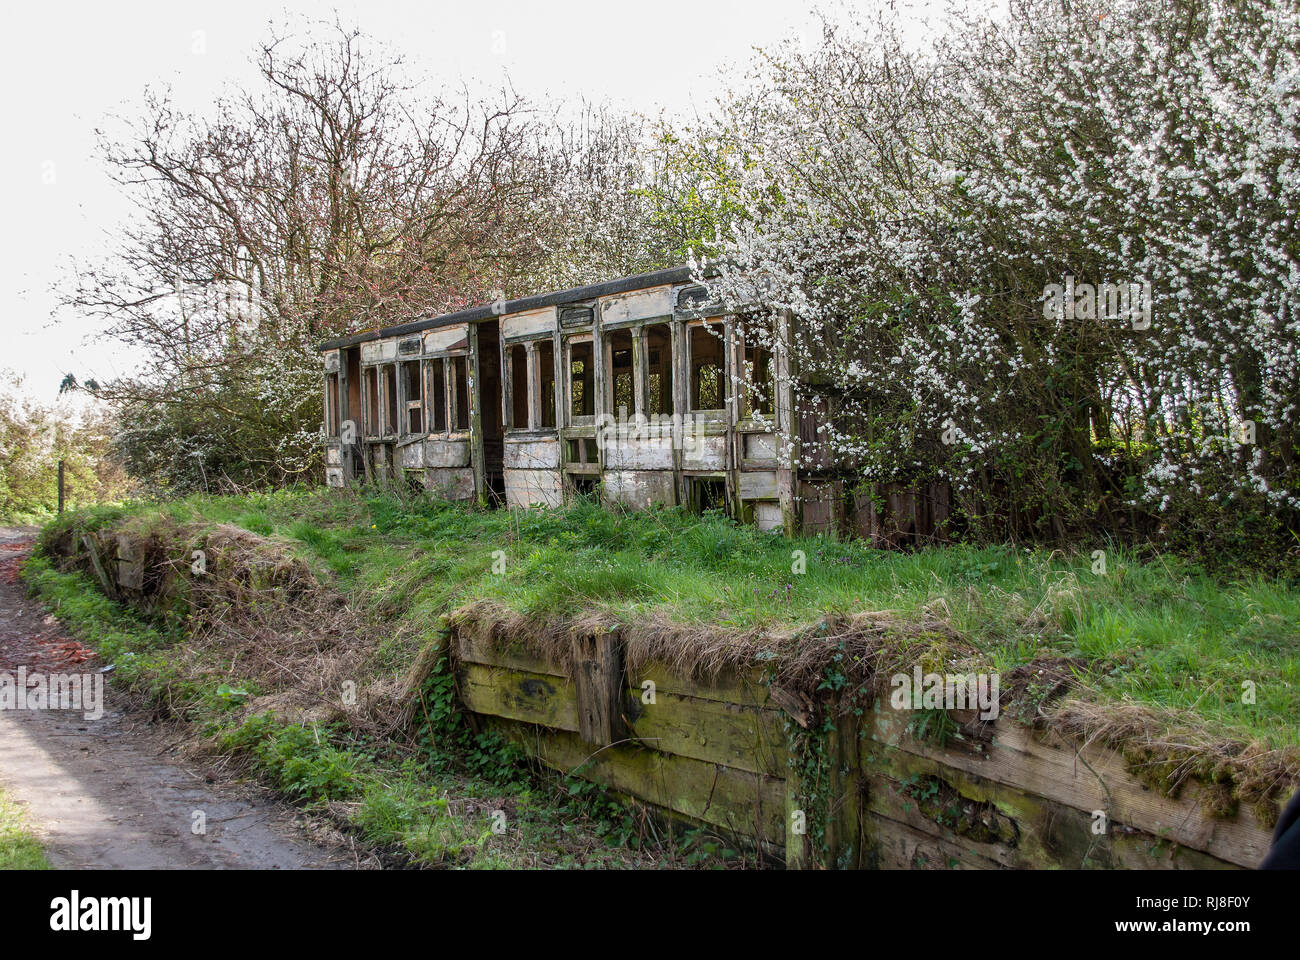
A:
<point x="112" y="792"/>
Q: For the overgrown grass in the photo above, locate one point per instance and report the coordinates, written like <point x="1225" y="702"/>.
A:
<point x="451" y="798"/>
<point x="19" y="849"/>
<point x="1160" y="631"/>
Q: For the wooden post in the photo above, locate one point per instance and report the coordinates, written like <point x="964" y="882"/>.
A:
<point x="477" y="453"/>
<point x="60" y="485"/>
<point x="598" y="678"/>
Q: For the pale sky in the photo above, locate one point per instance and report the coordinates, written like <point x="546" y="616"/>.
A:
<point x="69" y="67"/>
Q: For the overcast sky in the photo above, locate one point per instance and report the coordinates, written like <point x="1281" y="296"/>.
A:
<point x="69" y="67"/>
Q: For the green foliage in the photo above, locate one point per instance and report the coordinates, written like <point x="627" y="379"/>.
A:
<point x="19" y="849"/>
<point x="34" y="437"/>
<point x="299" y="760"/>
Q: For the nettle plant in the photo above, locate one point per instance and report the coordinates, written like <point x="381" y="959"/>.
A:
<point x="918" y="213"/>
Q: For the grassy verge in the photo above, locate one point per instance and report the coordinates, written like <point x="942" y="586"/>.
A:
<point x="19" y="849"/>
<point x="448" y="798"/>
<point x="1152" y="631"/>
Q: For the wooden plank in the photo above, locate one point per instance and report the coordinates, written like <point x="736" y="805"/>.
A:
<point x="1007" y="826"/>
<point x="105" y="581"/>
<point x="474" y="646"/>
<point x="445" y="339"/>
<point x="748" y="804"/>
<point x="728" y="687"/>
<point x="900" y="847"/>
<point x="744" y="737"/>
<point x="529" y="323"/>
<point x="1095" y="780"/>
<point x="519" y="695"/>
<point x="598" y="677"/>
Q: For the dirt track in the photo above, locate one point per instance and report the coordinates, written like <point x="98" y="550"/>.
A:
<point x="110" y="793"/>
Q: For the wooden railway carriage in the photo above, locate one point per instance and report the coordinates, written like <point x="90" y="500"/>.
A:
<point x="635" y="387"/>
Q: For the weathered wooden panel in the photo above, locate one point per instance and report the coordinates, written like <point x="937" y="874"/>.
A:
<point x="598" y="676"/>
<point x="331" y="361"/>
<point x="767" y="515"/>
<point x="411" y="456"/>
<point x="726" y="687"/>
<point x="130" y="565"/>
<point x="822" y="507"/>
<point x="707" y="452"/>
<point x="640" y="305"/>
<point x="333" y="455"/>
<point x="534" y="453"/>
<point x="529" y="323"/>
<point x="474" y="646"/>
<point x="334" y="476"/>
<point x="638" y="488"/>
<point x="629" y="453"/>
<point x="758" y="485"/>
<point x="446" y="453"/>
<point x="760" y="446"/>
<point x="1058" y="773"/>
<point x="746" y="803"/>
<point x="444" y="339"/>
<point x="744" y="737"/>
<point x="519" y="695"/>
<point x="526" y="488"/>
<point x="377" y="351"/>
<point x="451" y="483"/>
<point x="1005" y="825"/>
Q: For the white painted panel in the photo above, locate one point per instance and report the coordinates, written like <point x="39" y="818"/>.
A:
<point x="332" y="361"/>
<point x="450" y="484"/>
<point x="640" y="454"/>
<point x="705" y="453"/>
<point x="758" y="486"/>
<point x="641" y="305"/>
<point x="534" y="454"/>
<point x="334" y="476"/>
<point x="333" y="455"/>
<point x="767" y="515"/>
<point x="526" y="488"/>
<point x="530" y="323"/>
<point x="638" y="488"/>
<point x="760" y="446"/>
<point x="411" y="456"/>
<point x="446" y="453"/>
<point x="455" y="337"/>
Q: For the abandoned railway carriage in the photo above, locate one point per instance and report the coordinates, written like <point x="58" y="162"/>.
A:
<point x="635" y="387"/>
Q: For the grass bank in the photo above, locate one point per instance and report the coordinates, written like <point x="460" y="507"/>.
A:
<point x="1157" y="631"/>
<point x="1199" y="671"/>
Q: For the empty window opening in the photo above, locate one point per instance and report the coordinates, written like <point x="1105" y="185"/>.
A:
<point x="519" y="387"/>
<point x="332" y="405"/>
<point x="546" y="381"/>
<point x="459" y="372"/>
<point x="584" y="484"/>
<point x="708" y="493"/>
<point x="583" y="451"/>
<point x="622" y="392"/>
<point x="707" y="384"/>
<point x="437" y="395"/>
<point x="372" y="402"/>
<point x="760" y="379"/>
<point x="390" y="399"/>
<point x="414" y="398"/>
<point x="582" y="397"/>
<point x="659" y="363"/>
